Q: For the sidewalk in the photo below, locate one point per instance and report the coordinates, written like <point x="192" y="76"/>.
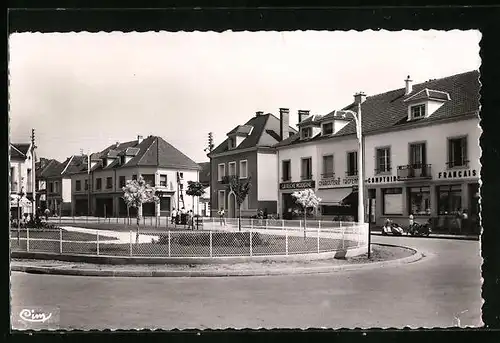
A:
<point x="382" y="256"/>
<point x="438" y="236"/>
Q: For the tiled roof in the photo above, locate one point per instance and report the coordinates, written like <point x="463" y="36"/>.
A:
<point x="19" y="150"/>
<point x="48" y="169"/>
<point x="259" y="137"/>
<point x="152" y="151"/>
<point x="389" y="109"/>
<point x="54" y="169"/>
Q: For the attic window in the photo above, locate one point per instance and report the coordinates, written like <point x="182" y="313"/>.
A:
<point x="231" y="143"/>
<point x="306" y="132"/>
<point x="327" y="129"/>
<point x="418" y="111"/>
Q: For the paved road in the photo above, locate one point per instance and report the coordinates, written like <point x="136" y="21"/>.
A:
<point x="430" y="293"/>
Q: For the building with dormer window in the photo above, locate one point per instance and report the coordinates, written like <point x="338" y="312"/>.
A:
<point x="97" y="186"/>
<point x="421" y="154"/>
<point x="247" y="152"/>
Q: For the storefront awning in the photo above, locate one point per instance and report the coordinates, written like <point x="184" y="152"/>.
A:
<point x="333" y="196"/>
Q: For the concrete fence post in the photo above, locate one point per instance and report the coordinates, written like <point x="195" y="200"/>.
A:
<point x="251" y="247"/>
<point x="130" y="243"/>
<point x="318" y="239"/>
<point x="169" y="243"/>
<point x="60" y="241"/>
<point x="97" y="241"/>
<point x="251" y="223"/>
<point x="340" y="223"/>
<point x="266" y="223"/>
<point x="282" y="224"/>
<point x="286" y="241"/>
<point x="213" y="222"/>
<point x="27" y="238"/>
<point x="211" y="243"/>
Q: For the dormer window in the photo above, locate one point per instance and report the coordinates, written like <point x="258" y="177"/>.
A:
<point x="417" y="111"/>
<point x="231" y="143"/>
<point x="306" y="132"/>
<point x="327" y="129"/>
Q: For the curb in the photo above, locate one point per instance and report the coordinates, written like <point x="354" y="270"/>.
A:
<point x="269" y="272"/>
<point x="460" y="238"/>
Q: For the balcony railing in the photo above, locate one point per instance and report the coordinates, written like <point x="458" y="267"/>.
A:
<point x="350" y="173"/>
<point x="414" y="172"/>
<point x="453" y="164"/>
<point x="328" y="175"/>
<point x="383" y="170"/>
<point x="306" y="177"/>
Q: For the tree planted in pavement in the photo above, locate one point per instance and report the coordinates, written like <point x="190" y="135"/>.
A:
<point x="240" y="188"/>
<point x="136" y="193"/>
<point x="307" y="199"/>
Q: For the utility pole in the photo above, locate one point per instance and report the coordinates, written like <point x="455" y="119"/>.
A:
<point x="209" y="148"/>
<point x="33" y="165"/>
<point x="88" y="183"/>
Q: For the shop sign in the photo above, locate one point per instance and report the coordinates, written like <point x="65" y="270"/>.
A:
<point x="297" y="185"/>
<point x="454" y="174"/>
<point x="382" y="179"/>
<point x="337" y="182"/>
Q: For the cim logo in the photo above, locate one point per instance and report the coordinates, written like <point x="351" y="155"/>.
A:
<point x="34" y="316"/>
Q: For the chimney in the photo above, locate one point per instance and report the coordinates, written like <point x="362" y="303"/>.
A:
<point x="359" y="98"/>
<point x="284" y="123"/>
<point x="139" y="139"/>
<point x="409" y="88"/>
<point x="259" y="113"/>
<point x="303" y="114"/>
<point x="117" y="144"/>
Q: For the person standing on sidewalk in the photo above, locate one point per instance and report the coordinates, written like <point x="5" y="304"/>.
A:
<point x="173" y="216"/>
<point x="411" y="222"/>
<point x="221" y="217"/>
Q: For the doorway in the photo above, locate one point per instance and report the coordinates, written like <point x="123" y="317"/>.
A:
<point x="231" y="205"/>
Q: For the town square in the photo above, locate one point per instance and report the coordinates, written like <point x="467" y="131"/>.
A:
<point x="245" y="180"/>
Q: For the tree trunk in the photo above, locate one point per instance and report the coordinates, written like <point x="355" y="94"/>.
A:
<point x="139" y="215"/>
<point x="239" y="217"/>
<point x="305" y="220"/>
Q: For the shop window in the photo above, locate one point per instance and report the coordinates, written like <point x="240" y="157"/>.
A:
<point x="383" y="160"/>
<point x="286" y="170"/>
<point x="450" y="199"/>
<point x="392" y="201"/>
<point x="352" y="163"/>
<point x="457" y="152"/>
<point x="420" y="200"/>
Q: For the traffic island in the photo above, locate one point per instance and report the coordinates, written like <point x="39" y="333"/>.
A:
<point x="381" y="256"/>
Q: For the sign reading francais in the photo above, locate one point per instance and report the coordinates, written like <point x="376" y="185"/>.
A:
<point x="297" y="185"/>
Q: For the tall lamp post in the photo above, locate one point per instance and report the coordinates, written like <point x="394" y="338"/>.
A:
<point x="361" y="181"/>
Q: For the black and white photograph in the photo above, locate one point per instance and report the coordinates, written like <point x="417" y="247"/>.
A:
<point x="268" y="179"/>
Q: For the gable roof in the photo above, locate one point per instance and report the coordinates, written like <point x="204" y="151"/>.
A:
<point x="42" y="171"/>
<point x="389" y="109"/>
<point x="265" y="133"/>
<point x="153" y="151"/>
<point x="19" y="150"/>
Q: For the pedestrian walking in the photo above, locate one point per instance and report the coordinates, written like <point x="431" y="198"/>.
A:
<point x="189" y="220"/>
<point x="221" y="217"/>
<point x="173" y="217"/>
<point x="411" y="222"/>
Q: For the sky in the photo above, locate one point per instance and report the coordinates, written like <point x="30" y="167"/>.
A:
<point x="86" y="91"/>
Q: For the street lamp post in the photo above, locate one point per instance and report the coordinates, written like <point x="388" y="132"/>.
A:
<point x="361" y="181"/>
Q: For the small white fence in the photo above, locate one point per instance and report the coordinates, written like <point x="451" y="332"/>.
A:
<point x="214" y="239"/>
